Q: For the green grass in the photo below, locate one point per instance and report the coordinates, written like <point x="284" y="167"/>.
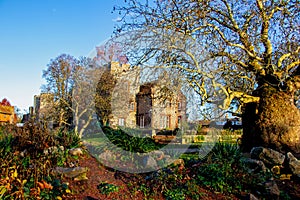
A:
<point x="95" y="141"/>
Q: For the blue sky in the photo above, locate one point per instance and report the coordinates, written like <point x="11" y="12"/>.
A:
<point x="34" y="31"/>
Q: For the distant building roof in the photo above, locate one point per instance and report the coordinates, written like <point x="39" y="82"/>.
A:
<point x="6" y="109"/>
<point x="204" y="122"/>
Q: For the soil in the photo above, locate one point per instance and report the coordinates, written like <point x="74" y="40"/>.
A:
<point x="87" y="189"/>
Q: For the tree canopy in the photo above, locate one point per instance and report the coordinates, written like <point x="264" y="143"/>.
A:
<point x="5" y="102"/>
<point x="59" y="76"/>
<point x="72" y="82"/>
<point x="244" y="52"/>
<point x="227" y="47"/>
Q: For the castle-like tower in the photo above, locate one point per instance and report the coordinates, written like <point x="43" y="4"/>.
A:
<point x="124" y="105"/>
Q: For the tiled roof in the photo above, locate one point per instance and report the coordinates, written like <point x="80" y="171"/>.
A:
<point x="6" y="109"/>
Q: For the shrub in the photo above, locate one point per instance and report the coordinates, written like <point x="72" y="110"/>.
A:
<point x="175" y="194"/>
<point x="130" y="142"/>
<point x="223" y="171"/>
<point x="25" y="169"/>
<point x="225" y="152"/>
<point x="167" y="132"/>
<point x="219" y="177"/>
<point x="107" y="188"/>
<point x="68" y="139"/>
<point x="6" y="145"/>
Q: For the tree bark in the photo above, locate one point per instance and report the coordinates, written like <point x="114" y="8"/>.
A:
<point x="250" y="136"/>
<point x="273" y="123"/>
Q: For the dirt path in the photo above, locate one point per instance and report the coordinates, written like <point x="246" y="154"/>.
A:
<point x="129" y="184"/>
<point x="97" y="173"/>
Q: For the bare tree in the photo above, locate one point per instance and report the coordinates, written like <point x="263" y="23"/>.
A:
<point x="241" y="51"/>
<point x="73" y="84"/>
<point x="59" y="78"/>
<point x="84" y="94"/>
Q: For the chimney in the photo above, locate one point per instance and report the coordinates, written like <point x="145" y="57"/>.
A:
<point x="31" y="110"/>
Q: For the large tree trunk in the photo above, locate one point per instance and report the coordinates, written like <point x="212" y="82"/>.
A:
<point x="273" y="123"/>
<point x="250" y="136"/>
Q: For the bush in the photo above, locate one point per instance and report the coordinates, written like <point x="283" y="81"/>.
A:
<point x="6" y="145"/>
<point x="225" y="152"/>
<point x="173" y="182"/>
<point x="223" y="171"/>
<point x="107" y="188"/>
<point x="68" y="139"/>
<point x="175" y="194"/>
<point x="25" y="169"/>
<point x="167" y="132"/>
<point x="32" y="138"/>
<point x="130" y="142"/>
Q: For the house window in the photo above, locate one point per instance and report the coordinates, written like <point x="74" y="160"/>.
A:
<point x="165" y="121"/>
<point x="121" y="122"/>
<point x="168" y="121"/>
<point x="142" y="121"/>
<point x="162" y="122"/>
<point x="179" y="106"/>
<point x="131" y="106"/>
<point x="179" y="122"/>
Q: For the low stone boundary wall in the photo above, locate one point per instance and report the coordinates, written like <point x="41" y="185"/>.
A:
<point x="190" y="139"/>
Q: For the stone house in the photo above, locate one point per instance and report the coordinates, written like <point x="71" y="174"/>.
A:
<point x="43" y="108"/>
<point x="124" y="103"/>
<point x="137" y="105"/>
<point x="133" y="104"/>
<point x="160" y="112"/>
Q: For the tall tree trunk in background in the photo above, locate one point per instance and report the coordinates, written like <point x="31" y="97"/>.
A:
<point x="273" y="123"/>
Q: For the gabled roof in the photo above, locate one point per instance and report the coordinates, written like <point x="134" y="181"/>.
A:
<point x="6" y="109"/>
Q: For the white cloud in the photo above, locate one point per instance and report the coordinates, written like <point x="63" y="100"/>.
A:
<point x="117" y="19"/>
